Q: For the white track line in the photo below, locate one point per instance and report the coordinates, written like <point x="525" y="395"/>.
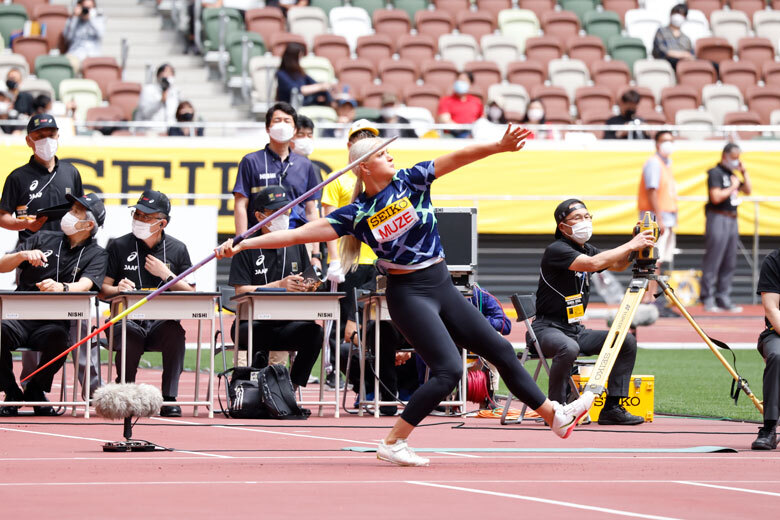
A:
<point x="543" y="501"/>
<point x="728" y="488"/>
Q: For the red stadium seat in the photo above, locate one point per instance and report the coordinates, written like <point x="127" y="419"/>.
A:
<point x="620" y="7"/>
<point x="678" y="97"/>
<point x="371" y="95"/>
<point x="743" y="74"/>
<point x="588" y="49"/>
<point x="714" y="49"/>
<point x="485" y="73"/>
<point x="743" y="118"/>
<point x="756" y="50"/>
<point x="104" y="70"/>
<point x="355" y="73"/>
<point x="265" y="21"/>
<point x="763" y="100"/>
<point x="526" y="73"/>
<point x="612" y="74"/>
<point x="104" y="114"/>
<point x="331" y="46"/>
<point x="374" y="47"/>
<point x="434" y="23"/>
<point x="30" y="5"/>
<point x="397" y="72"/>
<point x="392" y="22"/>
<point x="426" y="96"/>
<point x="696" y="73"/>
<point x="454" y="7"/>
<point x="771" y="73"/>
<point x="30" y="47"/>
<point x="749" y="7"/>
<point x="279" y="41"/>
<point x="417" y="47"/>
<point x="543" y="49"/>
<point x="440" y="73"/>
<point x="539" y="7"/>
<point x="124" y="95"/>
<point x="476" y="23"/>
<point x="651" y="117"/>
<point x="494" y="6"/>
<point x="54" y="17"/>
<point x="554" y="99"/>
<point x="595" y="117"/>
<point x="593" y="98"/>
<point x="561" y="25"/>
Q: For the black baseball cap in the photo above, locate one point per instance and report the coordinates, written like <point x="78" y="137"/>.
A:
<point x="93" y="203"/>
<point x="41" y="121"/>
<point x="270" y="197"/>
<point x="563" y="210"/>
<point x="152" y="201"/>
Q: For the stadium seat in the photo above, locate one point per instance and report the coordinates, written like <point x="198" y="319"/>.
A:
<point x="265" y="21"/>
<point x="529" y="74"/>
<point x="12" y="18"/>
<point x="54" y="69"/>
<point x="212" y="17"/>
<point x="513" y="98"/>
<point x="721" y="99"/>
<point x="743" y="118"/>
<point x="103" y="69"/>
<point x="434" y="23"/>
<point x="756" y="50"/>
<point x="458" y="48"/>
<point x="84" y="92"/>
<point x="499" y="49"/>
<point x="569" y="74"/>
<point x="494" y="6"/>
<point x="36" y="87"/>
<point x="651" y="117"/>
<point x="714" y="49"/>
<point x="767" y="25"/>
<point x="611" y="74"/>
<point x="519" y="24"/>
<point x="604" y="24"/>
<point x="694" y="117"/>
<point x="749" y="7"/>
<point x="308" y="22"/>
<point x="696" y="73"/>
<point x="763" y="101"/>
<point x="425" y="96"/>
<point x="706" y="6"/>
<point x="477" y="91"/>
<point x="280" y="41"/>
<point x="588" y="49"/>
<point x="374" y="47"/>
<point x="771" y="73"/>
<point x="543" y="49"/>
<point x="439" y="73"/>
<point x="655" y="75"/>
<point x="331" y="46"/>
<point x="234" y="45"/>
<point x="557" y="117"/>
<point x="29" y="5"/>
<point x="643" y="24"/>
<point x="319" y="114"/>
<point x="454" y="7"/>
<point x="561" y="25"/>
<point x="695" y="26"/>
<point x="351" y="22"/>
<point x="627" y="49"/>
<point x="476" y="23"/>
<point x="30" y="47"/>
<point x="124" y="95"/>
<point x="554" y="99"/>
<point x="369" y="6"/>
<point x="262" y="70"/>
<point x="10" y="61"/>
<point x="54" y="17"/>
<point x="412" y="7"/>
<point x="595" y="117"/>
<point x="678" y="97"/>
<point x="539" y="7"/>
<point x="731" y="25"/>
<point x="417" y="47"/>
<point x="103" y="115"/>
<point x="362" y="112"/>
<point x="743" y="74"/>
<point x="319" y="68"/>
<point x="355" y="72"/>
<point x="392" y="22"/>
<point x="593" y="98"/>
<point x="397" y="72"/>
<point x="486" y="73"/>
<point x="621" y="7"/>
<point x="326" y="5"/>
<point x="578" y="7"/>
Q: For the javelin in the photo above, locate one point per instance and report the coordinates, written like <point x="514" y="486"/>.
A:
<point x="237" y="240"/>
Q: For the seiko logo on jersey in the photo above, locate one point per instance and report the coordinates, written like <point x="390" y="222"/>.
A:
<point x="33" y="185"/>
<point x="393" y="220"/>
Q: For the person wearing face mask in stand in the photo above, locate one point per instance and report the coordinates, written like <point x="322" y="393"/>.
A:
<point x="628" y="103"/>
<point x="66" y="260"/>
<point x="143" y="260"/>
<point x="159" y="101"/>
<point x="670" y="43"/>
<point x="185" y="113"/>
<point x="535" y="115"/>
<point x="564" y="285"/>
<point x="460" y="107"/>
<point x="84" y="30"/>
<point x="22" y="102"/>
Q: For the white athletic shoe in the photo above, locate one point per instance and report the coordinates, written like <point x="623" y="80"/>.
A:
<point x="399" y="453"/>
<point x="567" y="417"/>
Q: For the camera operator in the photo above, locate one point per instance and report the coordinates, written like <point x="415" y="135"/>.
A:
<point x="160" y="100"/>
<point x="561" y="300"/>
<point x="84" y="30"/>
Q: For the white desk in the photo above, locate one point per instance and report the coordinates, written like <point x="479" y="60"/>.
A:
<point x="174" y="305"/>
<point x="35" y="305"/>
<point x="375" y="308"/>
<point x="293" y="306"/>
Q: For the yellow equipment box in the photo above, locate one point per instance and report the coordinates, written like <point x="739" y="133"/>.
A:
<point x="640" y="400"/>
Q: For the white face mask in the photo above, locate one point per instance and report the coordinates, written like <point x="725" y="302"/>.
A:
<point x="461" y="87"/>
<point x="46" y="148"/>
<point x="280" y="223"/>
<point x="734" y="163"/>
<point x="142" y="230"/>
<point x="666" y="148"/>
<point x="677" y="20"/>
<point x="70" y="224"/>
<point x="387" y="113"/>
<point x="495" y="113"/>
<point x="304" y="146"/>
<point x="282" y="132"/>
<point x="535" y="114"/>
<point x="581" y="231"/>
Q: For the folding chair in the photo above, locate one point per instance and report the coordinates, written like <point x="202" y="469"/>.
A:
<point x="525" y="305"/>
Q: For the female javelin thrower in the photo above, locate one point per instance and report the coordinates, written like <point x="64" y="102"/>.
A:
<point x="394" y="216"/>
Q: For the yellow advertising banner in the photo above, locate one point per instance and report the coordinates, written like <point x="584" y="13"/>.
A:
<point x="514" y="193"/>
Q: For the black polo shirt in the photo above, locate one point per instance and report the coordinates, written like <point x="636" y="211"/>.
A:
<point x="560" y="281"/>
<point x="720" y="177"/>
<point x="620" y="119"/>
<point x="32" y="185"/>
<point x="64" y="264"/>
<point x="263" y="266"/>
<point x="769" y="279"/>
<point x="127" y="257"/>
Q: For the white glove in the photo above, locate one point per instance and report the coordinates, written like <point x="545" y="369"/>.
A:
<point x="334" y="272"/>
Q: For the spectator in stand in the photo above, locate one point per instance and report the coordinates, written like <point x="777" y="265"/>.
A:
<point x="296" y="87"/>
<point x="185" y="113"/>
<point x="345" y="110"/>
<point x="6" y="108"/>
<point x="22" y="101"/>
<point x="159" y="101"/>
<point x="460" y="107"/>
<point x="84" y="30"/>
<point x="535" y="114"/>
<point x="670" y="43"/>
<point x="627" y="103"/>
<point x="495" y="114"/>
<point x="389" y="116"/>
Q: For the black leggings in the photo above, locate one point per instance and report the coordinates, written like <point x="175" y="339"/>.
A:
<point x="436" y="319"/>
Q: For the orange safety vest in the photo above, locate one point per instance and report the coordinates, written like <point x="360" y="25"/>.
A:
<point x="667" y="190"/>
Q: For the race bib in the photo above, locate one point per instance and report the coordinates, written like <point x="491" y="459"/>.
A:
<point x="574" y="308"/>
<point x="393" y="220"/>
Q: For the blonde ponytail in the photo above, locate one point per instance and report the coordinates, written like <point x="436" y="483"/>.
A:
<point x="349" y="249"/>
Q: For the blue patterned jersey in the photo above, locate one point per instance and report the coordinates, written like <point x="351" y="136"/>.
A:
<point x="397" y="223"/>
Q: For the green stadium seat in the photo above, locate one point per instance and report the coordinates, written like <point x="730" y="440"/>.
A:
<point x="579" y="7"/>
<point x="211" y="17"/>
<point x="326" y="5"/>
<point x="604" y="24"/>
<point x="367" y="113"/>
<point x="234" y="45"/>
<point x="12" y="18"/>
<point x="627" y="49"/>
<point x="369" y="5"/>
<point x="411" y="6"/>
<point x="55" y="69"/>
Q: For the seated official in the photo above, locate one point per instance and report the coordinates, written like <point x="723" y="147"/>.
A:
<point x="769" y="348"/>
<point x="561" y="300"/>
<point x="276" y="268"/>
<point x="145" y="259"/>
<point x="51" y="261"/>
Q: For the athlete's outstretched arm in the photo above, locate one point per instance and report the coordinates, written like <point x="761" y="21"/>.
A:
<point x="319" y="230"/>
<point x="512" y="141"/>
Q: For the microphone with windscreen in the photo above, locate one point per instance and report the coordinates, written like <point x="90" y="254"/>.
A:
<point x="125" y="401"/>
